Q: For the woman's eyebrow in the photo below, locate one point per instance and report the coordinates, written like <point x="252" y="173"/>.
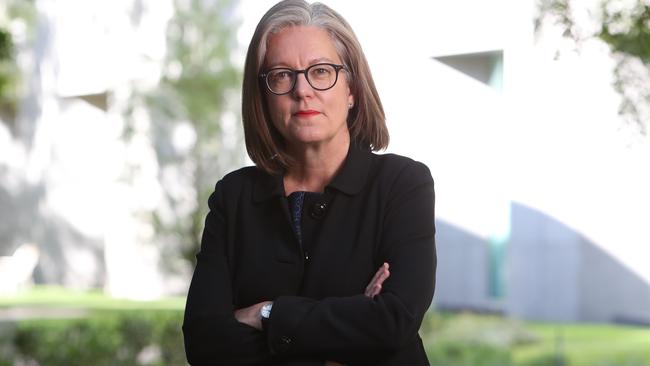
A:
<point x="311" y="62"/>
<point x="319" y="60"/>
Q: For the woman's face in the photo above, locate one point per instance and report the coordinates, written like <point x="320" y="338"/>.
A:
<point x="306" y="116"/>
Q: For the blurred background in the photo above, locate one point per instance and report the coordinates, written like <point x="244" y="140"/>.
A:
<point x="117" y="118"/>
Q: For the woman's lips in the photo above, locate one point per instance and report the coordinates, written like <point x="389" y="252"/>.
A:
<point x="306" y="113"/>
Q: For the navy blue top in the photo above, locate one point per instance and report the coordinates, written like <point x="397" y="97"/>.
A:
<point x="296" y="203"/>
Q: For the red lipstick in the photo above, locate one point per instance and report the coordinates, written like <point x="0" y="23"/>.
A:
<point x="306" y="113"/>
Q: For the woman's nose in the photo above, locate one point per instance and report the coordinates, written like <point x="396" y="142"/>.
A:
<point x="302" y="87"/>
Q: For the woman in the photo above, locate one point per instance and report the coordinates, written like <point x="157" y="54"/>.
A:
<point x="323" y="253"/>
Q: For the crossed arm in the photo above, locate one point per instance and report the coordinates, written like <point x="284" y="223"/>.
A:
<point x="251" y="315"/>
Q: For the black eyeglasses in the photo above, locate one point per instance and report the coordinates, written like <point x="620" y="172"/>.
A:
<point x="282" y="80"/>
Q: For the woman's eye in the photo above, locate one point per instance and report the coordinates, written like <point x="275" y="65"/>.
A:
<point x="321" y="73"/>
<point x="283" y="74"/>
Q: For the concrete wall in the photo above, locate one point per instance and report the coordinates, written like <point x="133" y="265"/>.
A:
<point x="552" y="273"/>
<point x="462" y="281"/>
<point x="544" y="258"/>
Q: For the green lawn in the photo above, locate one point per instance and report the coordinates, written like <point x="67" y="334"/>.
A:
<point x="470" y="339"/>
<point x="451" y="339"/>
<point x="589" y="344"/>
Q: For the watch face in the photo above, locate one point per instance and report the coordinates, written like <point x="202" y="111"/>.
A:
<point x="266" y="311"/>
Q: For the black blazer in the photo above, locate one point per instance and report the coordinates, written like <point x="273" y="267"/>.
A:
<point x="378" y="208"/>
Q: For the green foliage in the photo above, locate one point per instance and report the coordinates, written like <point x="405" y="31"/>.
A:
<point x="105" y="338"/>
<point x="547" y="360"/>
<point x="7" y="71"/>
<point x="59" y="342"/>
<point x="463" y="354"/>
<point x="475" y="339"/>
<point x="10" y="81"/>
<point x="560" y="10"/>
<point x="6" y="45"/>
<point x="109" y="331"/>
<point x="626" y="29"/>
<point x="198" y="88"/>
<point x="588" y="344"/>
<point x="474" y="329"/>
<point x="627" y="32"/>
<point x="471" y="339"/>
<point x="6" y="343"/>
<point x="153" y="337"/>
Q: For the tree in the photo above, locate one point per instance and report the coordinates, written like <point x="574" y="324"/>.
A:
<point x="21" y="16"/>
<point x="6" y="57"/>
<point x="191" y="108"/>
<point x="625" y="27"/>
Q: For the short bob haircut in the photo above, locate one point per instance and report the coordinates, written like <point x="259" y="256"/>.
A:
<point x="366" y="120"/>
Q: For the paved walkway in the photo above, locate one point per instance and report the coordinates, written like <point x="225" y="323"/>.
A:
<point x="14" y="314"/>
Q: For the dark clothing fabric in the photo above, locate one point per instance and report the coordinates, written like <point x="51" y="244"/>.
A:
<point x="378" y="208"/>
<point x="296" y="201"/>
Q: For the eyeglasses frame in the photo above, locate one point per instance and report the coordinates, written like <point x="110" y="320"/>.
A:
<point x="337" y="68"/>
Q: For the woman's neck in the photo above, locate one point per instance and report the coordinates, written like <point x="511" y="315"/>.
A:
<point x="315" y="167"/>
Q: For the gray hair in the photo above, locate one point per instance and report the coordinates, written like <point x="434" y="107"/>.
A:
<point x="366" y="120"/>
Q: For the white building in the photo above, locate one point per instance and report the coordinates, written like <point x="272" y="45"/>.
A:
<point x="63" y="176"/>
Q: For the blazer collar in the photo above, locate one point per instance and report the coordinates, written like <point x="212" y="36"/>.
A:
<point x="354" y="172"/>
<point x="349" y="180"/>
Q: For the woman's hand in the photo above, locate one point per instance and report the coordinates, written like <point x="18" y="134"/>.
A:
<point x="374" y="287"/>
<point x="251" y="315"/>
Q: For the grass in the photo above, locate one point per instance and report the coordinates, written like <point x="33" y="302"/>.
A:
<point x="59" y="297"/>
<point x="450" y="338"/>
<point x="538" y="344"/>
<point x="589" y="344"/>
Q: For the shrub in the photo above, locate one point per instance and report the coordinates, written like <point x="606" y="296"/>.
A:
<point x="547" y="360"/>
<point x="465" y="354"/>
<point x="116" y="337"/>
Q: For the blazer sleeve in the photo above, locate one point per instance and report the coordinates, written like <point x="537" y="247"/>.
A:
<point x="212" y="334"/>
<point x="358" y="328"/>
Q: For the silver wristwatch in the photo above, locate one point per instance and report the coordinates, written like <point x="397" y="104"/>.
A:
<point x="265" y="311"/>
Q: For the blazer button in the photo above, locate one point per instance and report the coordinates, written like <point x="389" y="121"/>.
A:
<point x="318" y="210"/>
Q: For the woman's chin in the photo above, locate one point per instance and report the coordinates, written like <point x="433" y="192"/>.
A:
<point x="308" y="139"/>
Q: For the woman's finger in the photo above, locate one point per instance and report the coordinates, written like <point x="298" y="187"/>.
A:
<point x="374" y="279"/>
<point x="378" y="273"/>
<point x="382" y="274"/>
<point x="375" y="285"/>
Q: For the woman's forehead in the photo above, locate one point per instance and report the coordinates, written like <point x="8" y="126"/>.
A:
<point x="300" y="45"/>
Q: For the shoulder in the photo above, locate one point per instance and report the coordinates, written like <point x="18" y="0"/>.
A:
<point x="238" y="183"/>
<point x="242" y="176"/>
<point x="401" y="169"/>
